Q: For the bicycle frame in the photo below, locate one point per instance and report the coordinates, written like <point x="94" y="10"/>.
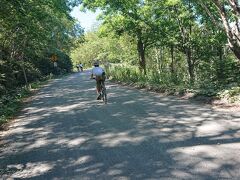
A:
<point x="103" y="92"/>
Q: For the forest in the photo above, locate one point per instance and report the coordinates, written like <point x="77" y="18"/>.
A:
<point x="173" y="46"/>
<point x="36" y="37"/>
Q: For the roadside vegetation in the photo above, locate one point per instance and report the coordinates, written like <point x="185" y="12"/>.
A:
<point x="11" y="102"/>
<point x="36" y="38"/>
<point x="173" y="46"/>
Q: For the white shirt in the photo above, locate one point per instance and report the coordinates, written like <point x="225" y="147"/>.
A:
<point x="97" y="71"/>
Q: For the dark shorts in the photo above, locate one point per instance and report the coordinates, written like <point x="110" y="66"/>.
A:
<point x="99" y="80"/>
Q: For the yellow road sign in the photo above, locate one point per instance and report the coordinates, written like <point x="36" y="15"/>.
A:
<point x="54" y="58"/>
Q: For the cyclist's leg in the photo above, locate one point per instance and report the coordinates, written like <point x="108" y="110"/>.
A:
<point x="98" y="84"/>
<point x="104" y="95"/>
<point x="103" y="79"/>
<point x="98" y="87"/>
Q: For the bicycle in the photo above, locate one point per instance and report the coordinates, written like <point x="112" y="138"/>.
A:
<point x="103" y="92"/>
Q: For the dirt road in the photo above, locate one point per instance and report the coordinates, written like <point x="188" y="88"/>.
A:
<point x="64" y="133"/>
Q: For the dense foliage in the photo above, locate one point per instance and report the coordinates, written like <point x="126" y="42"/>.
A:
<point x="108" y="48"/>
<point x="33" y="34"/>
<point x="186" y="43"/>
<point x="36" y="37"/>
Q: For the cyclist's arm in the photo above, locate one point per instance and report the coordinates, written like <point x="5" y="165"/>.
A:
<point x="92" y="75"/>
<point x="103" y="72"/>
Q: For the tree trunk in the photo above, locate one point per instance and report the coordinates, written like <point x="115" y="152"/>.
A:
<point x="141" y="53"/>
<point x="21" y="58"/>
<point x="157" y="55"/>
<point x="220" y="74"/>
<point x="232" y="33"/>
<point x="236" y="50"/>
<point x="24" y="73"/>
<point x="190" y="65"/>
<point x="172" y="58"/>
<point x="162" y="59"/>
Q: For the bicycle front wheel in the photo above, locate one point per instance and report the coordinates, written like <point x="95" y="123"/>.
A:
<point x="104" y="95"/>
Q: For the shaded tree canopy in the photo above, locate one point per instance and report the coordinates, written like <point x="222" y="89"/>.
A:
<point x="193" y="41"/>
<point x="31" y="32"/>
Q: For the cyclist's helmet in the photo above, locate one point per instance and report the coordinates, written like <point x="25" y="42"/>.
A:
<point x="96" y="63"/>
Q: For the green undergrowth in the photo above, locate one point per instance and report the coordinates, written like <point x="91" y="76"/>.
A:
<point x="232" y="94"/>
<point x="174" y="85"/>
<point x="12" y="101"/>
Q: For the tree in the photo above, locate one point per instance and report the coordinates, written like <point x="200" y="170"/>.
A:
<point x="229" y="14"/>
<point x="107" y="48"/>
<point x="32" y="30"/>
<point x="129" y="17"/>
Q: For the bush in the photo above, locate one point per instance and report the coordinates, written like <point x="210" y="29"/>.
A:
<point x="165" y="83"/>
<point x="11" y="102"/>
<point x="232" y="94"/>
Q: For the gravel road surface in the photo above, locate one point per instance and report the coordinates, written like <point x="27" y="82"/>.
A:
<point x="65" y="133"/>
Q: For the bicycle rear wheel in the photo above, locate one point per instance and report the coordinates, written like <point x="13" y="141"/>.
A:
<point x="104" y="95"/>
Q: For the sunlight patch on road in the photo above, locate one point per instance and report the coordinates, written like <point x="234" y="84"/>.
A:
<point x="212" y="128"/>
<point x="170" y="134"/>
<point x="116" y="139"/>
<point x="72" y="107"/>
<point x="114" y="172"/>
<point x="37" y="134"/>
<point x="66" y="108"/>
<point x="90" y="169"/>
<point x="77" y="92"/>
<point x="208" y="158"/>
<point x="22" y="130"/>
<point x="31" y="170"/>
<point x="165" y="128"/>
<point x="129" y="102"/>
<point x="182" y="174"/>
<point x="38" y="143"/>
<point x="62" y="141"/>
<point x="110" y="86"/>
<point x="117" y="171"/>
<point x="23" y="121"/>
<point x="33" y="110"/>
<point x="83" y="160"/>
<point x="118" y="114"/>
<point x="71" y="142"/>
<point x="48" y="111"/>
<point x="77" y="142"/>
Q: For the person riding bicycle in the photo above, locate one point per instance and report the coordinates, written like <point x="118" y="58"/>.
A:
<point x="100" y="77"/>
<point x="81" y="66"/>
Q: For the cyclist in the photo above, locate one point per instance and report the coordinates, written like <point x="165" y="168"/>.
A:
<point x="100" y="77"/>
<point x="81" y="66"/>
<point x="77" y="66"/>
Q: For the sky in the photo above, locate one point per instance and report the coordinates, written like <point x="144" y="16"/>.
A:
<point x="86" y="19"/>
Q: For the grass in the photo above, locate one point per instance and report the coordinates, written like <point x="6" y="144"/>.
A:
<point x="12" y="101"/>
<point x="177" y="85"/>
<point x="153" y="80"/>
<point x="232" y="94"/>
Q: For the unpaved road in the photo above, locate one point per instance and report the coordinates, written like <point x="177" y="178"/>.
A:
<point x="64" y="133"/>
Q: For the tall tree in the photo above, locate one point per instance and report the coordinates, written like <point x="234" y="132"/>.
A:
<point x="34" y="29"/>
<point x="229" y="14"/>
<point x="131" y="17"/>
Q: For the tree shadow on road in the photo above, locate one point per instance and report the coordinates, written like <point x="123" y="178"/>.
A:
<point x="66" y="134"/>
